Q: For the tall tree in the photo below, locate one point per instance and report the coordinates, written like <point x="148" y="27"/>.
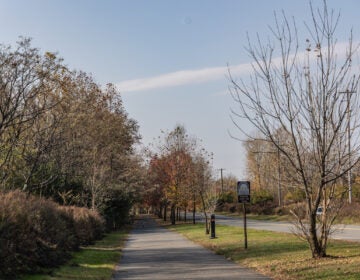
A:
<point x="64" y="136"/>
<point x="203" y="186"/>
<point x="307" y="93"/>
<point x="29" y="84"/>
<point x="180" y="175"/>
<point x="178" y="147"/>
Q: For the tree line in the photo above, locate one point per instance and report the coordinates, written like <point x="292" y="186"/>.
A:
<point x="65" y="137"/>
<point x="180" y="177"/>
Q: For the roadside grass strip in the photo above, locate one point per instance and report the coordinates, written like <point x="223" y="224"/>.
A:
<point x="91" y="262"/>
<point x="278" y="255"/>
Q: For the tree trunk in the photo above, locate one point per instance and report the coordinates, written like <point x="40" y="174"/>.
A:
<point x="173" y="217"/>
<point x="207" y="230"/>
<point x="318" y="249"/>
<point x="185" y="215"/>
<point x="194" y="211"/>
<point x="165" y="208"/>
<point x="160" y="212"/>
<point x="93" y="197"/>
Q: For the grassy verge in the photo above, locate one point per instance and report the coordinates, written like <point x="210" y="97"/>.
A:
<point x="278" y="255"/>
<point x="91" y="262"/>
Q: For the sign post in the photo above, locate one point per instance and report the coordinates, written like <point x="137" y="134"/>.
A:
<point x="245" y="227"/>
<point x="243" y="192"/>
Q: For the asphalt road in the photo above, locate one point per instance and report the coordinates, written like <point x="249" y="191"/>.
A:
<point x="342" y="232"/>
<point x="155" y="253"/>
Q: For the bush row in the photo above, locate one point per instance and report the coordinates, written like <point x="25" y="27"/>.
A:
<point x="37" y="233"/>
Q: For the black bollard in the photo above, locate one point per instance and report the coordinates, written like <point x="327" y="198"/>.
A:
<point x="212" y="226"/>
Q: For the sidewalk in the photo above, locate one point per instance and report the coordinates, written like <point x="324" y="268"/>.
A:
<point x="155" y="253"/>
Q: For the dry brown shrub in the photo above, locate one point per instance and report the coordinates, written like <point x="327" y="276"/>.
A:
<point x="37" y="233"/>
<point x="88" y="224"/>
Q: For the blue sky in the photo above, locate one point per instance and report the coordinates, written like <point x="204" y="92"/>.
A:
<point x="168" y="58"/>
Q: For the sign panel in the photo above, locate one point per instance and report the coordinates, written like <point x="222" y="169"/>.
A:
<point x="243" y="191"/>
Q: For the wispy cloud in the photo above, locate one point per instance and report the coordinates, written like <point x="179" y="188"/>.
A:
<point x="179" y="78"/>
<point x="195" y="76"/>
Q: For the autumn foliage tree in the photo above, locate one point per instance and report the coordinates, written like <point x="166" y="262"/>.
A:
<point x="64" y="136"/>
<point x="173" y="172"/>
<point x="158" y="181"/>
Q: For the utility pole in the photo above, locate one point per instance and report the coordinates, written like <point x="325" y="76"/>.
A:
<point x="349" y="143"/>
<point x="222" y="180"/>
<point x="348" y="128"/>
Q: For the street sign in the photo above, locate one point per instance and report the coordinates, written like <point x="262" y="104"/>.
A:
<point x="243" y="191"/>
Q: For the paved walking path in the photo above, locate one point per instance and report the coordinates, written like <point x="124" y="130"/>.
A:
<point x="155" y="253"/>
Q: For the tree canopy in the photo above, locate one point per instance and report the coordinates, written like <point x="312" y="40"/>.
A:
<point x="64" y="136"/>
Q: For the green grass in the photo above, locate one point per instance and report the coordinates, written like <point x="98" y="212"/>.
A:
<point x="91" y="262"/>
<point x="278" y="255"/>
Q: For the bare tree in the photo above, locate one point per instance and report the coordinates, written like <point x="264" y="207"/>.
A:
<point x="307" y="93"/>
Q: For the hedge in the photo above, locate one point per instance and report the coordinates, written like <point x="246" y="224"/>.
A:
<point x="37" y="233"/>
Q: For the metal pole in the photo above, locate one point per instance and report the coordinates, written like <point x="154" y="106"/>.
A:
<point x="245" y="227"/>
<point x="222" y="181"/>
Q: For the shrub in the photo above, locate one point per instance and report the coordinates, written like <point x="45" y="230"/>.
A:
<point x="261" y="197"/>
<point x="231" y="207"/>
<point x="88" y="225"/>
<point x="264" y="208"/>
<point x="16" y="234"/>
<point x="37" y="233"/>
<point x="115" y="208"/>
<point x="294" y="196"/>
<point x="350" y="212"/>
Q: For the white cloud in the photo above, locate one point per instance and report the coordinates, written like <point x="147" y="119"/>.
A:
<point x="196" y="76"/>
<point x="179" y="78"/>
